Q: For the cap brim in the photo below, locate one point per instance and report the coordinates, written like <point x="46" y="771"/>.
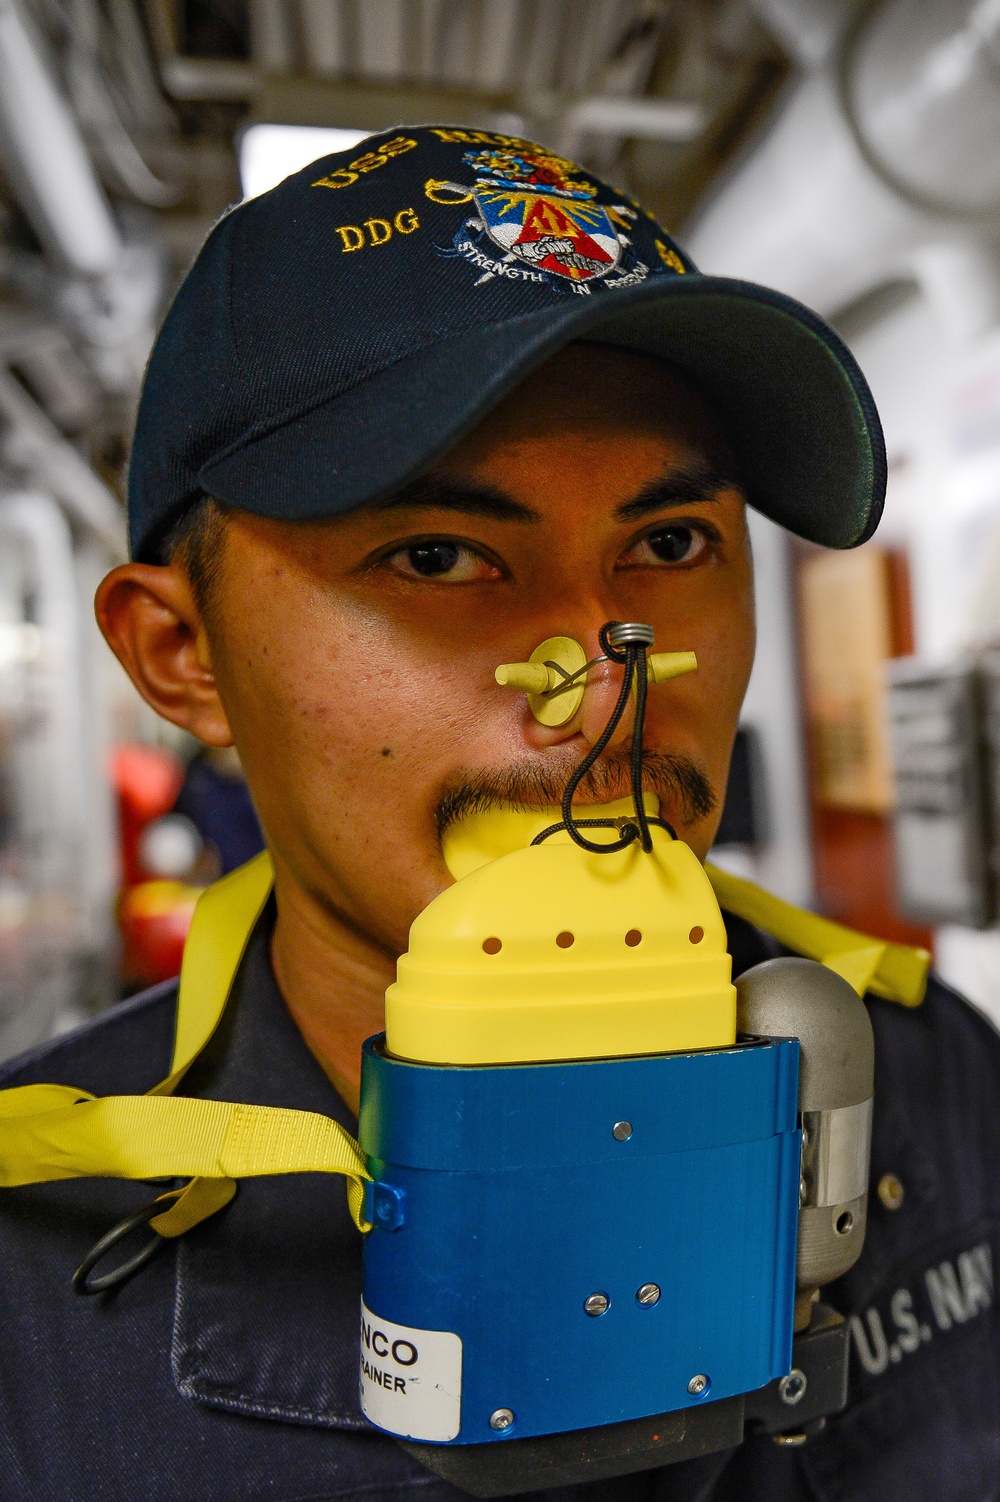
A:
<point x="796" y="408"/>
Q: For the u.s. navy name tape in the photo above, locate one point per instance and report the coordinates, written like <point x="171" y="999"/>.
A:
<point x="936" y="1300"/>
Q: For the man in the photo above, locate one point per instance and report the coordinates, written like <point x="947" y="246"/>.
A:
<point x="412" y="412"/>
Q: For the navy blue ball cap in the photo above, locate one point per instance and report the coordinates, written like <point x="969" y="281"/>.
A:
<point x="341" y="332"/>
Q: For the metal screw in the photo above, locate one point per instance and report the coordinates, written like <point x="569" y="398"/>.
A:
<point x="699" y="1384"/>
<point x="597" y="1303"/>
<point x="649" y="1293"/>
<point x="501" y="1418"/>
<point x="891" y="1191"/>
<point x="792" y="1389"/>
<point x="621" y="1131"/>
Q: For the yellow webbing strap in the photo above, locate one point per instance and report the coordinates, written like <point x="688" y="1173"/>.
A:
<point x="56" y="1132"/>
<point x="892" y="971"/>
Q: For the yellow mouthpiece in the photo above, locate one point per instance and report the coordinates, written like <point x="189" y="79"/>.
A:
<point x="542" y="952"/>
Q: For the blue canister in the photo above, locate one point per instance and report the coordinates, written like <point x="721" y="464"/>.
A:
<point x="563" y="1245"/>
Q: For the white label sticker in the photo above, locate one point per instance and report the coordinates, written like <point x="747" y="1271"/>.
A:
<point x="411" y="1380"/>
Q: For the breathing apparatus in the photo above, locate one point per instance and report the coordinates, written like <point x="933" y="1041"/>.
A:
<point x="599" y="1186"/>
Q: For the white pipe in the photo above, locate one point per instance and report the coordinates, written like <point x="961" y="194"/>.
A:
<point x="37" y="523"/>
<point x="804" y="212"/>
<point x="382" y="39"/>
<point x="807" y="29"/>
<point x="44" y="769"/>
<point x="99" y="876"/>
<point x="32" y="444"/>
<point x="211" y="78"/>
<point x="961" y="279"/>
<point x="271" y="35"/>
<point x="324" y="36"/>
<point x="810" y="212"/>
<point x="46" y="159"/>
<point x="500" y="31"/>
<point x="646" y="119"/>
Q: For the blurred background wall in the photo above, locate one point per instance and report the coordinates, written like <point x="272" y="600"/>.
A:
<point x="847" y="153"/>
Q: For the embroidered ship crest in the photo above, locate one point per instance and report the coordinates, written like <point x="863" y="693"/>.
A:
<point x="535" y="221"/>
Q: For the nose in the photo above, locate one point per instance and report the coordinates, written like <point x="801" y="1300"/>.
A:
<point x="604" y="684"/>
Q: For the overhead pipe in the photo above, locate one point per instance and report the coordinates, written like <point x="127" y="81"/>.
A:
<point x="33" y="445"/>
<point x="48" y="785"/>
<point x="808" y="30"/>
<point x="644" y="119"/>
<point x="46" y="159"/>
<point x="877" y="157"/>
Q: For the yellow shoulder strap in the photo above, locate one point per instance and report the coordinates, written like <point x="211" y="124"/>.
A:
<point x="56" y="1132"/>
<point x="892" y="971"/>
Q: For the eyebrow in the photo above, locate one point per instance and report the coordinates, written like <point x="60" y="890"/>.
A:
<point x="468" y="497"/>
<point x="682" y="487"/>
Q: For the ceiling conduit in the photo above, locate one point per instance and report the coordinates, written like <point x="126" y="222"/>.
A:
<point x="46" y="159"/>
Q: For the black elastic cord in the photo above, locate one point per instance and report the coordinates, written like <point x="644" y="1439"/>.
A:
<point x="638" y="733"/>
<point x="623" y="824"/>
<point x="633" y="656"/>
<point x="596" y="750"/>
<point x="620" y="824"/>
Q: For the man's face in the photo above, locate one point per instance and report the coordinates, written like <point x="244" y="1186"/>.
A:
<point x="352" y="660"/>
<point x="355" y="657"/>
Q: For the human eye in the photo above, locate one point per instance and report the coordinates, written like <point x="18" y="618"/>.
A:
<point x="671" y="543"/>
<point x="444" y="560"/>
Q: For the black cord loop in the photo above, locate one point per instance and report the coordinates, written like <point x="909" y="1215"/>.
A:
<point x="87" y="1286"/>
<point x="624" y="643"/>
<point x="622" y="824"/>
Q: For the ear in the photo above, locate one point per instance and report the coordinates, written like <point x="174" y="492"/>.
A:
<point x="152" y="623"/>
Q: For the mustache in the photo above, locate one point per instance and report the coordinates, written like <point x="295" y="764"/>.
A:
<point x="675" y="778"/>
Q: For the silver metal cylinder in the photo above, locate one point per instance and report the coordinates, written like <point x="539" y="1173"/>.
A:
<point x="793" y="998"/>
<point x="826" y="1253"/>
<point x="835" y="1153"/>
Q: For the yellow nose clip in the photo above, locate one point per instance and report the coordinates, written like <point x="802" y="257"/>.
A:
<point x="555" y="676"/>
